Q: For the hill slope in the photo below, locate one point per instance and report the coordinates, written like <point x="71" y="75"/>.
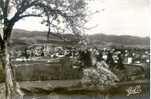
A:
<point x="125" y="40"/>
<point x="32" y="37"/>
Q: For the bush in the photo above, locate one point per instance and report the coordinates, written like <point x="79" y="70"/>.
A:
<point x="101" y="78"/>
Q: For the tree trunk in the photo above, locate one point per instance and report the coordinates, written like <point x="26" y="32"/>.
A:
<point x="10" y="82"/>
<point x="11" y="86"/>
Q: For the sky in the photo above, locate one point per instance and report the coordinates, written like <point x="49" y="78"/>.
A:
<point x="115" y="17"/>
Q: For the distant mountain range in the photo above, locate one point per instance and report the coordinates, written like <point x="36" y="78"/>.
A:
<point x="23" y="37"/>
<point x="124" y="40"/>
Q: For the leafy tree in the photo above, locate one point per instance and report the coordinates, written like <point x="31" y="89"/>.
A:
<point x="59" y="15"/>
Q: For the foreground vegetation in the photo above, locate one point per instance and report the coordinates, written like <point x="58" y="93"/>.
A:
<point x="40" y="83"/>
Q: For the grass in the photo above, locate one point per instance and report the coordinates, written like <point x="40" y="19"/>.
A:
<point x="74" y="88"/>
<point x="66" y="87"/>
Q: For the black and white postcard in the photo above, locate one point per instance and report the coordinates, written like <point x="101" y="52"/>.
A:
<point x="74" y="49"/>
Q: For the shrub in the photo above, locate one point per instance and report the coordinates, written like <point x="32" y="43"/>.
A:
<point x="101" y="78"/>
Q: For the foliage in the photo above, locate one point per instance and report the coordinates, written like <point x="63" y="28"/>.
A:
<point x="59" y="15"/>
<point x="100" y="78"/>
<point x="56" y="14"/>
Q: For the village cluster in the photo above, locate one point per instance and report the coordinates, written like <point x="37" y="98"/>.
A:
<point x="110" y="55"/>
<point x="97" y="67"/>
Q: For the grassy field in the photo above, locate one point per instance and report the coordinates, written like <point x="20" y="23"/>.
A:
<point x="63" y="70"/>
<point x="69" y="89"/>
<point x="73" y="87"/>
<point x="42" y="71"/>
<point x="62" y="84"/>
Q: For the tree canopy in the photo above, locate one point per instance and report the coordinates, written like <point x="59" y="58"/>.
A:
<point x="59" y="15"/>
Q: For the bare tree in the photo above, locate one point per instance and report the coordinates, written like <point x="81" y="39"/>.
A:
<point x="59" y="15"/>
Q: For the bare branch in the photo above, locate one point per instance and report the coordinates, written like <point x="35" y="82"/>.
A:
<point x="29" y="15"/>
<point x="24" y="5"/>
